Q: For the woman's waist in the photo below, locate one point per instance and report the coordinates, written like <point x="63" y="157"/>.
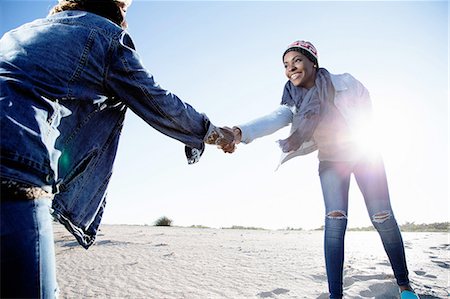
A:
<point x="11" y="189"/>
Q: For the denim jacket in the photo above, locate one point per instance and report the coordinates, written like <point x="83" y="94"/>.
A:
<point x="66" y="82"/>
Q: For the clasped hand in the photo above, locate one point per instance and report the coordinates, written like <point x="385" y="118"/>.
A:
<point x="225" y="138"/>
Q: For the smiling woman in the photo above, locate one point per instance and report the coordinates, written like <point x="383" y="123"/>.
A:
<point x="333" y="113"/>
<point x="300" y="63"/>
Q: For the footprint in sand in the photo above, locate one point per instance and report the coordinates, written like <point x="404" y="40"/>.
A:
<point x="442" y="264"/>
<point x="111" y="243"/>
<point x="380" y="290"/>
<point x="70" y="244"/>
<point x="272" y="294"/>
<point x="320" y="277"/>
<point x="424" y="274"/>
<point x="372" y="277"/>
<point x="172" y="254"/>
<point x="445" y="246"/>
<point x="442" y="246"/>
<point x="323" y="296"/>
<point x="384" y="263"/>
<point x="423" y="296"/>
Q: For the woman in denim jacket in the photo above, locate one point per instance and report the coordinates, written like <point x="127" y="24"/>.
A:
<point x="329" y="112"/>
<point x="66" y="82"/>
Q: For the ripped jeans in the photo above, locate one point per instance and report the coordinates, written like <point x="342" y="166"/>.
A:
<point x="371" y="179"/>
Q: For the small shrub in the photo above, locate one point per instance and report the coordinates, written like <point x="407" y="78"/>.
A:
<point x="163" y="221"/>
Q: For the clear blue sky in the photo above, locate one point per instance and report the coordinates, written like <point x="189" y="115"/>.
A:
<point x="224" y="58"/>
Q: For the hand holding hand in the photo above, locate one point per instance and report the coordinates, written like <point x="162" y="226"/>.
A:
<point x="237" y="136"/>
<point x="227" y="143"/>
<point x="223" y="138"/>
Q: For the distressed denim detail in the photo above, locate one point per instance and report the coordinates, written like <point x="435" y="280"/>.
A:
<point x="381" y="216"/>
<point x="337" y="215"/>
<point x="371" y="179"/>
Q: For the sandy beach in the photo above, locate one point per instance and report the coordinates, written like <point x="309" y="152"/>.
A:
<point x="177" y="262"/>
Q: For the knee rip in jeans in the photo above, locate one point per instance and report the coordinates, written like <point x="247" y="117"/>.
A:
<point x="381" y="216"/>
<point x="337" y="215"/>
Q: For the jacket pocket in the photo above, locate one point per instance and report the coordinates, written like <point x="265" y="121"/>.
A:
<point x="78" y="170"/>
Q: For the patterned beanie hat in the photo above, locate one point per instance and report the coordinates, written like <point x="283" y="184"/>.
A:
<point x="126" y="2"/>
<point x="306" y="48"/>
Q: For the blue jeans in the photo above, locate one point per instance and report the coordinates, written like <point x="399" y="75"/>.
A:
<point x="371" y="179"/>
<point x="27" y="249"/>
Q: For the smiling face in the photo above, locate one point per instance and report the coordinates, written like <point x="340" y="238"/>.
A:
<point x="299" y="69"/>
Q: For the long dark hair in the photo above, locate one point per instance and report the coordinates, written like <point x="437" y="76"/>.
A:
<point x="106" y="8"/>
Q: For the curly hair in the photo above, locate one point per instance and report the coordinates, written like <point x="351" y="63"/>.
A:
<point x="106" y="8"/>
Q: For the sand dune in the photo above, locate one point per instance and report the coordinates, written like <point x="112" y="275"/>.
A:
<point x="175" y="262"/>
